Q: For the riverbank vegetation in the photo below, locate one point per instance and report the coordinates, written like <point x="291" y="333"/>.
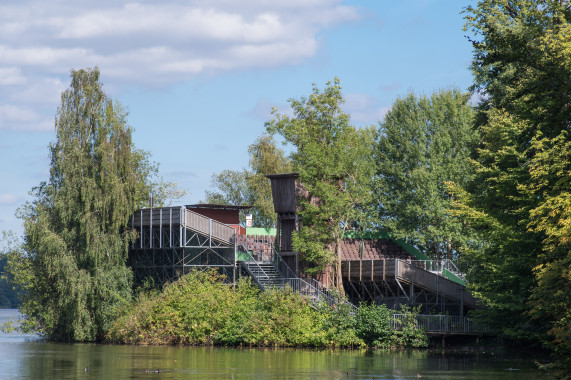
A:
<point x="200" y="309"/>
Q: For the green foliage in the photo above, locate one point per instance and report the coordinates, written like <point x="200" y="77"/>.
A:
<point x="8" y="295"/>
<point x="500" y="266"/>
<point x="334" y="163"/>
<point x="339" y="324"/>
<point x="519" y="201"/>
<point x="199" y="309"/>
<point x="251" y="187"/>
<point x="407" y="333"/>
<point x="265" y="159"/>
<point x="373" y="325"/>
<point x="72" y="272"/>
<point x="422" y="143"/>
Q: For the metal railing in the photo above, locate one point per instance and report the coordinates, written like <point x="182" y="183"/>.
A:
<point x="208" y="226"/>
<point x="441" y="323"/>
<point x="437" y="266"/>
<point x="306" y="286"/>
<point x="260" y="269"/>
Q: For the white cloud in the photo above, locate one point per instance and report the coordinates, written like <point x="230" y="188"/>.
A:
<point x="147" y="43"/>
<point x="11" y="76"/>
<point x="9" y="199"/>
<point x="14" y="117"/>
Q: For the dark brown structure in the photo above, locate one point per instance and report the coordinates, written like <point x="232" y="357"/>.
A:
<point x="284" y="193"/>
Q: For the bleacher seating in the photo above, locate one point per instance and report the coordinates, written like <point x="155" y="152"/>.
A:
<point x="372" y="249"/>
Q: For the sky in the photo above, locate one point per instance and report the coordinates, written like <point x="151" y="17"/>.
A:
<point x="199" y="78"/>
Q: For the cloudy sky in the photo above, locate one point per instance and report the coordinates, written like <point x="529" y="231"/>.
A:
<point x="199" y="77"/>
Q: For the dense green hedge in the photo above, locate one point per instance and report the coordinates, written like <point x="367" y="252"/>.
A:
<point x="200" y="309"/>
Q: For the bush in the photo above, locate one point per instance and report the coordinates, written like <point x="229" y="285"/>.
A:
<point x="199" y="309"/>
<point x="374" y="325"/>
<point x="338" y="325"/>
<point x="409" y="334"/>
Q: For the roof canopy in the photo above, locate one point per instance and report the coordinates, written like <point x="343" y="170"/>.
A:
<point x="213" y="206"/>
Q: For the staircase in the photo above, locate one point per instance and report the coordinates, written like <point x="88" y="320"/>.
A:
<point x="264" y="274"/>
<point x="276" y="273"/>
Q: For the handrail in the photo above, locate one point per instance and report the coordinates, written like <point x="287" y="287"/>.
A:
<point x="306" y="286"/>
<point x="438" y="266"/>
<point x="257" y="264"/>
<point x="208" y="226"/>
<point x="317" y="290"/>
<point x="441" y="323"/>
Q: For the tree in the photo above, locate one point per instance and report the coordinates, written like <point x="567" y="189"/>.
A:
<point x="8" y="295"/>
<point x="519" y="200"/>
<point x="334" y="163"/>
<point x="73" y="273"/>
<point x="265" y="159"/>
<point x="251" y="187"/>
<point x="422" y="143"/>
<point x="231" y="188"/>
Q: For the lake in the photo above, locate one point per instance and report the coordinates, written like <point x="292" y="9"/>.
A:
<point x="29" y="357"/>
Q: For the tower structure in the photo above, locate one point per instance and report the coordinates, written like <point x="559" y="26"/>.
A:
<point x="285" y="189"/>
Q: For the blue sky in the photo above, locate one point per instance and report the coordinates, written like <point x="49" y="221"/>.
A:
<point x="199" y="78"/>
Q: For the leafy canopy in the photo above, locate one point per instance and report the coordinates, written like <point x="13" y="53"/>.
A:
<point x="251" y="187"/>
<point x="519" y="201"/>
<point x="73" y="272"/>
<point x="422" y="143"/>
<point x="334" y="163"/>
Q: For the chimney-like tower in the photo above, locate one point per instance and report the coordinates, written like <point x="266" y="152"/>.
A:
<point x="285" y="205"/>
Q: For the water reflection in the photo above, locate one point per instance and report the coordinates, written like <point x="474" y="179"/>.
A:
<point x="27" y="358"/>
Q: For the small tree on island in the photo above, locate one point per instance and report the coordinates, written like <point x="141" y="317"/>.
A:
<point x="73" y="273"/>
<point x="334" y="162"/>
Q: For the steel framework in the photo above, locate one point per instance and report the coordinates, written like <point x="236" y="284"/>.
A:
<point x="396" y="282"/>
<point x="174" y="241"/>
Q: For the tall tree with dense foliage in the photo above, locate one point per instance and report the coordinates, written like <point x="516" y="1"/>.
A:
<point x="251" y="187"/>
<point x="8" y="246"/>
<point x="73" y="273"/>
<point x="335" y="167"/>
<point x="520" y="200"/>
<point x="422" y="143"/>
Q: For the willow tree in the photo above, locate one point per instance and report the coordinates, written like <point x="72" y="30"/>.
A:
<point x="73" y="271"/>
<point x="334" y="162"/>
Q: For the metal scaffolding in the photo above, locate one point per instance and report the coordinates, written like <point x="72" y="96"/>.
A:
<point x="173" y="241"/>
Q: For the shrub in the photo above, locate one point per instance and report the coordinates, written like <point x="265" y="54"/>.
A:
<point x="409" y="334"/>
<point x="373" y="325"/>
<point x="199" y="309"/>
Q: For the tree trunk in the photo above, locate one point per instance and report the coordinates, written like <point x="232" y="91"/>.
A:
<point x="338" y="274"/>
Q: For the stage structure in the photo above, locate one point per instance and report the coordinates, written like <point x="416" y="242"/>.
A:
<point x="375" y="267"/>
<point x="176" y="240"/>
<point x="379" y="268"/>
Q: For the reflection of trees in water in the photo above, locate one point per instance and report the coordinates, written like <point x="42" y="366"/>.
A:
<point x="59" y="361"/>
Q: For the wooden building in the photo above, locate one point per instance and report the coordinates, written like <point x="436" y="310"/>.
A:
<point x="285" y="191"/>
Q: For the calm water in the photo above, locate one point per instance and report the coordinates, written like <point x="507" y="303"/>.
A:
<point x="28" y="357"/>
